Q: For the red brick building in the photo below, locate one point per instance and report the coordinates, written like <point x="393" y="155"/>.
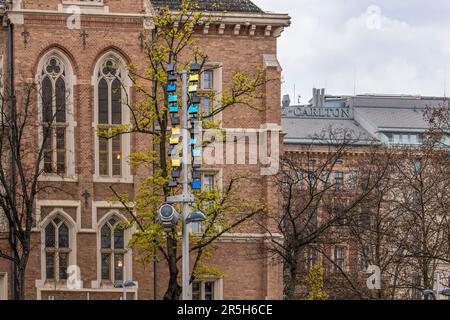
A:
<point x="74" y="225"/>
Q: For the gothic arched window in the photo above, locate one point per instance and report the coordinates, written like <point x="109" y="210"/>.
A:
<point x="112" y="250"/>
<point x="57" y="249"/>
<point x="110" y="114"/>
<point x="54" y="96"/>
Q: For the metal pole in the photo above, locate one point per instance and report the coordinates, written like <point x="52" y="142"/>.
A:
<point x="124" y="296"/>
<point x="438" y="285"/>
<point x="185" y="233"/>
<point x="12" y="168"/>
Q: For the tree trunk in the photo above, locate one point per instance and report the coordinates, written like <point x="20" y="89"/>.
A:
<point x="20" y="283"/>
<point x="291" y="281"/>
<point x="174" y="289"/>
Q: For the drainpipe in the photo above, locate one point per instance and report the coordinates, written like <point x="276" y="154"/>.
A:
<point x="12" y="170"/>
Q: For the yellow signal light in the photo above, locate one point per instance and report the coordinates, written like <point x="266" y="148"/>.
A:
<point x="176" y="131"/>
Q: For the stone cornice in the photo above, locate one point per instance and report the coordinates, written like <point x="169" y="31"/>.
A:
<point x="273" y="24"/>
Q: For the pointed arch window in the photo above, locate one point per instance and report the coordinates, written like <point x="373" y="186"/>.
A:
<point x="54" y="102"/>
<point x="57" y="249"/>
<point x="112" y="250"/>
<point x="109" y="114"/>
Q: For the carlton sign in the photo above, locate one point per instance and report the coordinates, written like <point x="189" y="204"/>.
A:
<point x="316" y="112"/>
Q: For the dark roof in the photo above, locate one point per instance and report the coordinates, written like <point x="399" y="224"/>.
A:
<point x="213" y="5"/>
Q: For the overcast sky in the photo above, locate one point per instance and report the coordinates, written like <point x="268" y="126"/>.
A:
<point x="378" y="46"/>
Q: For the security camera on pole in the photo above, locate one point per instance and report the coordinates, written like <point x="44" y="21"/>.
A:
<point x="168" y="217"/>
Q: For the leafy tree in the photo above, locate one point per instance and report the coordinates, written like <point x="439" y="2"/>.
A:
<point x="315" y="283"/>
<point x="172" y="41"/>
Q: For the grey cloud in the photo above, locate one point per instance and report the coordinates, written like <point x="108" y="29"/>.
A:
<point x="329" y="45"/>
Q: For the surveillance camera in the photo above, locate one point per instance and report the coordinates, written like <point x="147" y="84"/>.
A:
<point x="168" y="217"/>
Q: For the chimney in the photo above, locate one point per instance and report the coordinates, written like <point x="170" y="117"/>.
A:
<point x="322" y="98"/>
<point x="315" y="100"/>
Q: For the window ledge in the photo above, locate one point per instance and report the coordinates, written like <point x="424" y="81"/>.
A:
<point x="95" y="3"/>
<point x="52" y="285"/>
<point x="56" y="178"/>
<point x="99" y="179"/>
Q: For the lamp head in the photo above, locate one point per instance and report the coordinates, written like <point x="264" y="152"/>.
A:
<point x="195" y="217"/>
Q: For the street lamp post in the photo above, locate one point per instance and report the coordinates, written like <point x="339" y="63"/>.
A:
<point x="168" y="217"/>
<point x="185" y="231"/>
<point x="125" y="283"/>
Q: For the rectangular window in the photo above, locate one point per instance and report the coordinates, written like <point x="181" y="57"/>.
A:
<point x="206" y="105"/>
<point x="54" y="150"/>
<point x="414" y="139"/>
<point x="63" y="264"/>
<point x="363" y="260"/>
<point x="196" y="227"/>
<point x="312" y="180"/>
<point x="325" y="179"/>
<point x="312" y="257"/>
<point x="300" y="178"/>
<point x="208" y="182"/>
<point x="207" y="185"/>
<point x="47" y="149"/>
<point x="50" y="265"/>
<point x="339" y="257"/>
<point x="405" y="139"/>
<point x="207" y="80"/>
<point x="117" y="155"/>
<point x="396" y="138"/>
<point x="61" y="151"/>
<point x="118" y="267"/>
<point x="106" y="274"/>
<point x="196" y="291"/>
<point x="415" y="285"/>
<point x="353" y="179"/>
<point x="3" y="285"/>
<point x="209" y="291"/>
<point x="103" y="158"/>
<point x="339" y="181"/>
<point x="203" y="290"/>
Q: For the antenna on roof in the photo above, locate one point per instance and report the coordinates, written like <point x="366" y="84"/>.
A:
<point x="294" y="91"/>
<point x="445" y="84"/>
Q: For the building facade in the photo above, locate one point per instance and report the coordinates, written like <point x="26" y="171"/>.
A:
<point x="362" y="126"/>
<point x="75" y="47"/>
